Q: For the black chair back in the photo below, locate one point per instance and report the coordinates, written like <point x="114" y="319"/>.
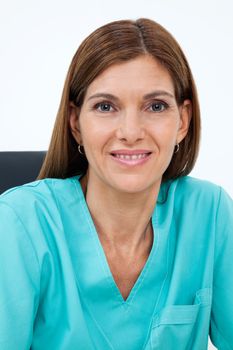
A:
<point x="18" y="168"/>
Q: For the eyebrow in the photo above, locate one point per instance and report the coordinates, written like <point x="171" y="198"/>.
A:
<point x="148" y="96"/>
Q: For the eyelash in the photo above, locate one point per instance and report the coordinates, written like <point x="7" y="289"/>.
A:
<point x="160" y="103"/>
<point x="96" y="106"/>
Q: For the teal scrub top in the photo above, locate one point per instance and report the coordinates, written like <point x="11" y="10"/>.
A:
<point x="57" y="291"/>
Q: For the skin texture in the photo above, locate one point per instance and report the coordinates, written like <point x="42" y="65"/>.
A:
<point x="126" y="190"/>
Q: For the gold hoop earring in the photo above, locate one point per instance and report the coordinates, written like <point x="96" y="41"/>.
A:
<point x="79" y="149"/>
<point x="177" y="147"/>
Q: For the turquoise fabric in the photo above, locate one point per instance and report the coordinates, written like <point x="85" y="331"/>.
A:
<point x="57" y="291"/>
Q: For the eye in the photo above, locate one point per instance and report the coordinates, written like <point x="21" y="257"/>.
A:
<point x="158" y="106"/>
<point x="103" y="107"/>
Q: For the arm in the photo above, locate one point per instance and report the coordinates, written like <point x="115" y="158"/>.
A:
<point x="19" y="282"/>
<point x="221" y="325"/>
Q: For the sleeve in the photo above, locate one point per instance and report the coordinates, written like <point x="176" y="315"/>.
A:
<point x="221" y="324"/>
<point x="19" y="281"/>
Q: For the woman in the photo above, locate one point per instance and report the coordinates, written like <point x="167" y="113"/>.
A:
<point x="115" y="247"/>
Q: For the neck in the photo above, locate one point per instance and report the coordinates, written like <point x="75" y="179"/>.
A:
<point x="123" y="220"/>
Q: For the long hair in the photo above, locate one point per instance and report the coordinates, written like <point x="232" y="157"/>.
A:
<point x="113" y="43"/>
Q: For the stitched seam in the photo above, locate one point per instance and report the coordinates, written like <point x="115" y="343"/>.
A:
<point x="93" y="236"/>
<point x="161" y="289"/>
<point x="97" y="324"/>
<point x="148" y="264"/>
<point x="27" y="234"/>
<point x="33" y="249"/>
<point x="216" y="216"/>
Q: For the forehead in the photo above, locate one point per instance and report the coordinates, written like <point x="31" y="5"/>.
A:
<point x="141" y="74"/>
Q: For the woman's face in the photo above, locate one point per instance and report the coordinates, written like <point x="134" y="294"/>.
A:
<point x="129" y="124"/>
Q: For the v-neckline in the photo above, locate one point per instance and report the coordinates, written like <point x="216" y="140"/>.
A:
<point x="103" y="259"/>
<point x="106" y="311"/>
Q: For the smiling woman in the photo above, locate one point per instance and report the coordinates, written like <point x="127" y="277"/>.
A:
<point x="115" y="246"/>
<point x="129" y="131"/>
<point x="115" y="43"/>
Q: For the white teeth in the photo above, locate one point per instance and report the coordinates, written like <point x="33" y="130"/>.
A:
<point x="131" y="157"/>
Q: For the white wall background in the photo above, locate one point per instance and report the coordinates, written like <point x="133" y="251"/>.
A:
<point x="39" y="38"/>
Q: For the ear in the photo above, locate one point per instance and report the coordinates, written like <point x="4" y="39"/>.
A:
<point x="185" y="118"/>
<point x="74" y="123"/>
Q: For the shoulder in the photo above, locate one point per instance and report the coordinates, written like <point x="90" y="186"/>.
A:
<point x="204" y="190"/>
<point x="40" y="191"/>
<point x="203" y="196"/>
<point x="36" y="200"/>
<point x="33" y="211"/>
<point x="190" y="187"/>
<point x="26" y="191"/>
<point x="191" y="184"/>
<point x="34" y="187"/>
<point x="194" y="194"/>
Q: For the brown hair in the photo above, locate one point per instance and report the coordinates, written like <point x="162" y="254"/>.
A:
<point x="113" y="43"/>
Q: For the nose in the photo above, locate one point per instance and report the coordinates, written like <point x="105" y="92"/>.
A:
<point x="130" y="129"/>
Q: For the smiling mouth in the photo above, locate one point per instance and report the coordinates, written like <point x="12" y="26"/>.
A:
<point x="131" y="158"/>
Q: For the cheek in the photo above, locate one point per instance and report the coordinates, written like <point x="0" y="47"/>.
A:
<point x="95" y="133"/>
<point x="94" y="140"/>
<point x="165" y="133"/>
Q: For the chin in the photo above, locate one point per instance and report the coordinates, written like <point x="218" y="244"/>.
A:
<point x="134" y="184"/>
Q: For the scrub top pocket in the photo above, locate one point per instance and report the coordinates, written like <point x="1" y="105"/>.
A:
<point x="174" y="327"/>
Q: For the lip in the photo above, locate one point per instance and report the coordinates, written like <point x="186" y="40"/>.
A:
<point x="130" y="152"/>
<point x="131" y="158"/>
